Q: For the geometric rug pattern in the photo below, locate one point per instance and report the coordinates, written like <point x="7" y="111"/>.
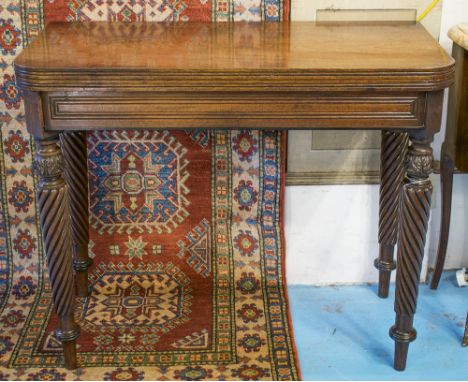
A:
<point x="188" y="280"/>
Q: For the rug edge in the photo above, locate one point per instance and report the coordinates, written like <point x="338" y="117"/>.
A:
<point x="283" y="141"/>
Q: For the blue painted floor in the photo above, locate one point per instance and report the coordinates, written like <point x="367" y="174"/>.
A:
<point x="342" y="333"/>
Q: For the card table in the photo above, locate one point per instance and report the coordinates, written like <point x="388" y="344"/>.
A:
<point x="298" y="75"/>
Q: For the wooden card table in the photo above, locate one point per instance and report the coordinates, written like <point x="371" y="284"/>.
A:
<point x="97" y="76"/>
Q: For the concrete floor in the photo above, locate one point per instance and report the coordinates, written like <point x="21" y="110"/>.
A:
<point x="342" y="333"/>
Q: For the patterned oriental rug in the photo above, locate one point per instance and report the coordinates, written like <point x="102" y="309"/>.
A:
<point x="188" y="281"/>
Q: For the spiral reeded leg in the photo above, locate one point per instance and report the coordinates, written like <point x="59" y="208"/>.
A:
<point x="414" y="217"/>
<point x="76" y="176"/>
<point x="392" y="170"/>
<point x="52" y="197"/>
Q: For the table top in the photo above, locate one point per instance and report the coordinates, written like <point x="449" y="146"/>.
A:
<point x="62" y="53"/>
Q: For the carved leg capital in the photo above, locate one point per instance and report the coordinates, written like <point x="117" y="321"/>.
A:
<point x="392" y="170"/>
<point x="419" y="161"/>
<point x="414" y="217"/>
<point x="52" y="197"/>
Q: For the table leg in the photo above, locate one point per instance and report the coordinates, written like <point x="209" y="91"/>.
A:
<point x="465" y="337"/>
<point x="52" y="197"/>
<point x="76" y="176"/>
<point x="446" y="179"/>
<point x="392" y="169"/>
<point x="414" y="216"/>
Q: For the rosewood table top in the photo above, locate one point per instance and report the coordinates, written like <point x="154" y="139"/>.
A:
<point x="296" y="75"/>
<point x="280" y="56"/>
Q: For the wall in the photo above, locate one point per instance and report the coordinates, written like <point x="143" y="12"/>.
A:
<point x="305" y="9"/>
<point x="331" y="231"/>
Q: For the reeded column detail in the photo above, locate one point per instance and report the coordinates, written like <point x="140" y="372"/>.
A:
<point x="415" y="209"/>
<point x="76" y="176"/>
<point x="392" y="170"/>
<point x="52" y="197"/>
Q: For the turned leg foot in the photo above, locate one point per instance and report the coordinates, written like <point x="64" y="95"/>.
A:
<point x="69" y="354"/>
<point x="392" y="156"/>
<point x="402" y="333"/>
<point x="446" y="179"/>
<point x="52" y="197"/>
<point x="414" y="210"/>
<point x="385" y="264"/>
<point x="76" y="176"/>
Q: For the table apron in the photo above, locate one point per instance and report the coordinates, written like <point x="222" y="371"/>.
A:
<point x="295" y="110"/>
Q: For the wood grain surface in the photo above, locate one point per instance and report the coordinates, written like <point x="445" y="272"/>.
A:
<point x="242" y="55"/>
